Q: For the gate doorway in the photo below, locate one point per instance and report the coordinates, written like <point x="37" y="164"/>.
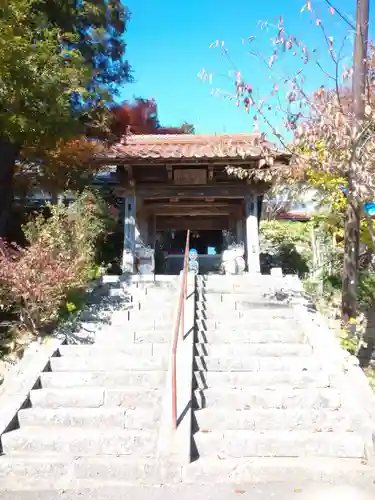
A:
<point x="170" y="248"/>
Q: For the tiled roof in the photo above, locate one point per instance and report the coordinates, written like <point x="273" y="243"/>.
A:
<point x="138" y="147"/>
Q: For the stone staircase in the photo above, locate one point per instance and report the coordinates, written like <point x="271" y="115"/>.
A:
<point x="267" y="406"/>
<point x="273" y="412"/>
<point x="95" y="414"/>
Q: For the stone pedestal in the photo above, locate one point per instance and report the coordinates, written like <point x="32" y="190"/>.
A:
<point x="252" y="234"/>
<point x="129" y="234"/>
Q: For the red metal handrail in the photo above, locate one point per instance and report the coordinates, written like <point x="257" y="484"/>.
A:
<point x="179" y="326"/>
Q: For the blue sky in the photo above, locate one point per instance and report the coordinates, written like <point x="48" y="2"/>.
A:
<point x="168" y="44"/>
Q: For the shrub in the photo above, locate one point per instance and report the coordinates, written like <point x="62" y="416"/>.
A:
<point x="349" y="342"/>
<point x="8" y="253"/>
<point x="37" y="281"/>
<point x="288" y="244"/>
<point x="366" y="290"/>
<point x="59" y="259"/>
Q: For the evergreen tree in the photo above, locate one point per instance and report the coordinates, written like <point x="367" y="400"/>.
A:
<point x="61" y="62"/>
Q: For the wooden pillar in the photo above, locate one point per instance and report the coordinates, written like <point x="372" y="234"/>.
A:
<point x="142" y="236"/>
<point x="232" y="229"/>
<point x="252" y="234"/>
<point x="152" y="230"/>
<point x="239" y="230"/>
<point x="129" y="234"/>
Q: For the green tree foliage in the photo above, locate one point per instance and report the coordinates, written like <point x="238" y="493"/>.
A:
<point x="60" y="258"/>
<point x="39" y="79"/>
<point x="60" y="65"/>
<point x="96" y="28"/>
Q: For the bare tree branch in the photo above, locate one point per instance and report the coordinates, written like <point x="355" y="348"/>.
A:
<point x="340" y="14"/>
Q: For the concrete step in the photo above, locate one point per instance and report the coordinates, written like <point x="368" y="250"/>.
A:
<point x="94" y="490"/>
<point x="95" y="397"/>
<point x="321" y="420"/>
<point x="104" y="363"/>
<point x="246" y="277"/>
<point x="67" y="471"/>
<point x="257" y="363"/>
<point x="120" y="418"/>
<point x="135" y="335"/>
<point x="165" y="304"/>
<point x="256" y="293"/>
<point x="132" y="314"/>
<point x="106" y="379"/>
<point x="146" y="323"/>
<point x="251" y="335"/>
<point x="116" y="291"/>
<point x="145" y="350"/>
<point x="75" y="441"/>
<point x="135" y="281"/>
<point x="280" y="444"/>
<point x="242" y="284"/>
<point x="237" y="309"/>
<point x="245" y="300"/>
<point x="220" y="289"/>
<point x="146" y="294"/>
<point x="145" y="317"/>
<point x="92" y="317"/>
<point x="251" y="280"/>
<point x="249" y="323"/>
<point x="294" y="379"/>
<point x="217" y="350"/>
<point x="257" y="397"/>
<point x="242" y="288"/>
<point x="153" y="306"/>
<point x="281" y="471"/>
<point x="145" y="290"/>
<point x="222" y="311"/>
<point x="162" y="281"/>
<point x="110" y="279"/>
<point x="263" y="306"/>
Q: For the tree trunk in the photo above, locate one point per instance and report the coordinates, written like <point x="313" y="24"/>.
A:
<point x="8" y="156"/>
<point x="351" y="256"/>
<point x="367" y="349"/>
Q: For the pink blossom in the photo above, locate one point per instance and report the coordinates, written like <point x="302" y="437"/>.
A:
<point x="271" y="60"/>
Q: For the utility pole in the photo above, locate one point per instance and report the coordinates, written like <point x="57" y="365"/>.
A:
<point x="353" y="212"/>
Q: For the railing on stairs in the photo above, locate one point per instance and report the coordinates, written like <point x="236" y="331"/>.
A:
<point x="178" y="332"/>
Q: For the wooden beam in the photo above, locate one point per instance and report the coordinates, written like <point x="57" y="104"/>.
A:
<point x="191" y="206"/>
<point x="195" y="213"/>
<point x="195" y="223"/>
<point x="153" y="191"/>
<point x="186" y="209"/>
<point x="195" y="209"/>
